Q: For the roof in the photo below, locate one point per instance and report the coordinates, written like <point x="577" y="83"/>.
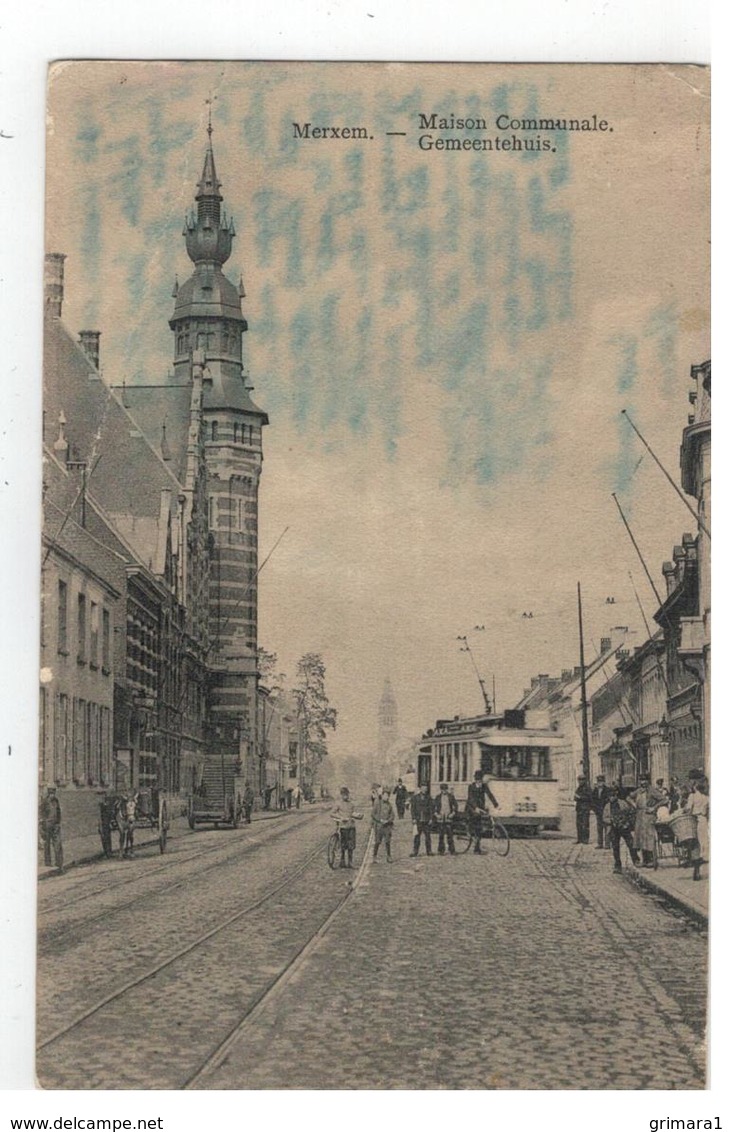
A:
<point x="124" y="473"/>
<point x="162" y="407"/>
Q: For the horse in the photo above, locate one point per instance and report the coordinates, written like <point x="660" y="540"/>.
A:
<point x="125" y="814"/>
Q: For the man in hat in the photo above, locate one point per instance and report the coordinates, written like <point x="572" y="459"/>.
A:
<point x="50" y="821"/>
<point x="479" y="793"/>
<point x="248" y="802"/>
<point x="445" y="809"/>
<point x="422" y="811"/>
<point x="106" y="816"/>
<point x="582" y="808"/>
<point x="646" y="800"/>
<point x="600" y="798"/>
<point x="619" y="815"/>
<point x="400" y="798"/>
<point x="382" y="817"/>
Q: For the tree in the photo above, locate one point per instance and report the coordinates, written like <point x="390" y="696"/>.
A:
<point x="315" y="716"/>
<point x="267" y="665"/>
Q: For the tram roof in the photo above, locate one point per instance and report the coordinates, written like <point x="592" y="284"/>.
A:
<point x="517" y="738"/>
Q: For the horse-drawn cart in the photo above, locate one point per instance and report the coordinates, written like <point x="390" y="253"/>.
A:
<point x="124" y="813"/>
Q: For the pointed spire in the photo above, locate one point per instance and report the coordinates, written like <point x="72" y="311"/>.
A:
<point x="209" y="195"/>
<point x="175" y="288"/>
<point x="242" y="292"/>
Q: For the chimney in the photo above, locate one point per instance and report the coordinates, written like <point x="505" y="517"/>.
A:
<point x="89" y="342"/>
<point x="61" y="445"/>
<point x="53" y="283"/>
<point x="605" y="643"/>
<point x="669" y="573"/>
<point x="566" y="675"/>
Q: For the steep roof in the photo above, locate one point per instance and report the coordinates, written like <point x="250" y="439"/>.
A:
<point x="124" y="473"/>
<point x="162" y="413"/>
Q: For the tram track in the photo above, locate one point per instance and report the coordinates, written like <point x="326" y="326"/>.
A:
<point x="95" y="1026"/>
<point x="52" y="935"/>
<point x="277" y="984"/>
<point x="561" y="880"/>
<point x="152" y="972"/>
<point x="170" y="860"/>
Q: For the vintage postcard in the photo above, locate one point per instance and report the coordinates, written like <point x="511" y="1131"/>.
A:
<point x="376" y="537"/>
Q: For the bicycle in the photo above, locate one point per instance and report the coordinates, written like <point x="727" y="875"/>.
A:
<point x="333" y="848"/>
<point x="496" y="831"/>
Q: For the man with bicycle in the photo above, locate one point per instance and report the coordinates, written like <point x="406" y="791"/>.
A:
<point x="345" y="814"/>
<point x="479" y="793"/>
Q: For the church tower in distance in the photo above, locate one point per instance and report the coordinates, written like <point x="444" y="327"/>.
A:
<point x="207" y="326"/>
<point x="388" y="723"/>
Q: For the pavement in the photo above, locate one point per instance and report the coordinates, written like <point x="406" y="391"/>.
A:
<point x="676" y="886"/>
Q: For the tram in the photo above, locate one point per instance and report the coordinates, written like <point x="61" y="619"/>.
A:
<point x="514" y="748"/>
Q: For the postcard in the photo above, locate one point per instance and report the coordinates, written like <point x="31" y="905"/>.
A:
<point x="376" y="537"/>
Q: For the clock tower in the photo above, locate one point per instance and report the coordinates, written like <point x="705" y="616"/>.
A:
<point x="208" y="326"/>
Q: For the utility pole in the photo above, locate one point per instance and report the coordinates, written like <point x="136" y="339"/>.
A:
<point x="583" y="685"/>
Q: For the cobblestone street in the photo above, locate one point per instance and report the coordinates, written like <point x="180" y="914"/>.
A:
<point x="541" y="970"/>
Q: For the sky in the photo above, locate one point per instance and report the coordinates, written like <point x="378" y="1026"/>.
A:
<point x="443" y="342"/>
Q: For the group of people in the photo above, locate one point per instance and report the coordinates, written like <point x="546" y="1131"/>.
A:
<point x="631" y="815"/>
<point x="426" y="813"/>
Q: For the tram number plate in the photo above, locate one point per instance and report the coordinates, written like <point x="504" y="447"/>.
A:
<point x="525" y="807"/>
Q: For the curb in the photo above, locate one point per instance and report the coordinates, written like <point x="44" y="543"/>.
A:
<point x="647" y="885"/>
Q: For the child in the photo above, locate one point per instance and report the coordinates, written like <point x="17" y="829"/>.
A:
<point x="345" y="814"/>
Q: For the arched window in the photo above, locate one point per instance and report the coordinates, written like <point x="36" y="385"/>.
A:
<point x="236" y="433"/>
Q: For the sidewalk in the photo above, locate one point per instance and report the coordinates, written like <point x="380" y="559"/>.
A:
<point x="676" y="886"/>
<point x="81" y="850"/>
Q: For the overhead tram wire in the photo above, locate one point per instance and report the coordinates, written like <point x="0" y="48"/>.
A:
<point x="481" y="682"/>
<point x="637" y="549"/>
<point x="652" y="584"/>
<point x="674" y="485"/>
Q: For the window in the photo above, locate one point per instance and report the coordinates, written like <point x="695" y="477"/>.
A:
<point x="80" y="734"/>
<point x="94" y="634"/>
<point x="214" y="430"/>
<point x="81" y="629"/>
<point x="466" y="750"/>
<point x="62" y="612"/>
<point x="106" y="635"/>
<point x="61" y="768"/>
